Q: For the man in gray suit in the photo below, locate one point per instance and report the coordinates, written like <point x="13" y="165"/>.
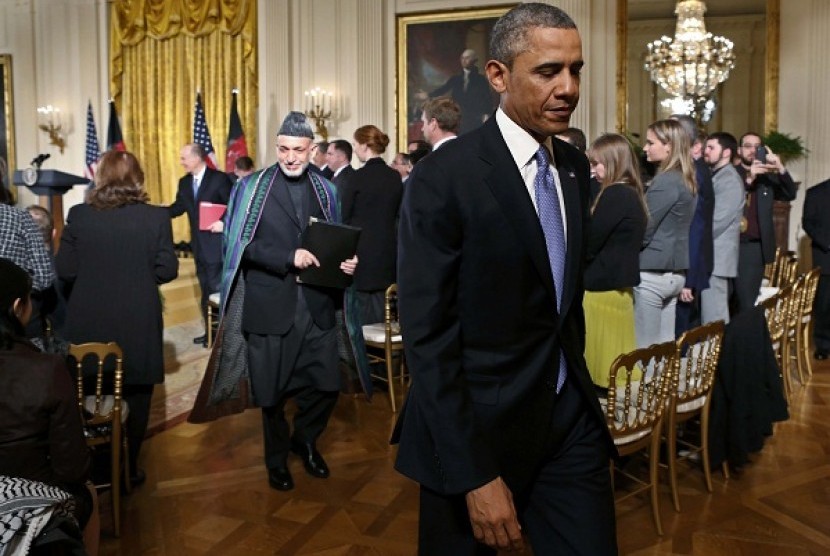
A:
<point x="726" y="225"/>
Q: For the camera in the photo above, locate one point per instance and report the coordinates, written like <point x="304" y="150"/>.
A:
<point x="761" y="154"/>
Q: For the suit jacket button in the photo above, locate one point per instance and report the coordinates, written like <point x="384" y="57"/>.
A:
<point x="550" y="385"/>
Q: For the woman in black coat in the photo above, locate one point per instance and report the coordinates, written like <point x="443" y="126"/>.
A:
<point x="371" y="199"/>
<point x="618" y="224"/>
<point x="41" y="434"/>
<point x="117" y="249"/>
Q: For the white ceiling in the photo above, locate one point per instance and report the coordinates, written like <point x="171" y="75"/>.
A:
<point x="659" y="9"/>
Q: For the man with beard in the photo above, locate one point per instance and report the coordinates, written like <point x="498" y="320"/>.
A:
<point x="726" y="223"/>
<point x="276" y="333"/>
<point x="764" y="182"/>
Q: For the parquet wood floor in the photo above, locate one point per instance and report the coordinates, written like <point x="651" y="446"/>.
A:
<point x="207" y="493"/>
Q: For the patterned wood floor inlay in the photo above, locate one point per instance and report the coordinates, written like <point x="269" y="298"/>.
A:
<point x="207" y="493"/>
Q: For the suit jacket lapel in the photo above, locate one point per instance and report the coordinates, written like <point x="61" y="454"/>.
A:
<point x="573" y="214"/>
<point x="509" y="189"/>
<point x="280" y="193"/>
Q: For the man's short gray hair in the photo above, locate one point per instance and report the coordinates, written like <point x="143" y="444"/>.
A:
<point x="509" y="37"/>
<point x="296" y="124"/>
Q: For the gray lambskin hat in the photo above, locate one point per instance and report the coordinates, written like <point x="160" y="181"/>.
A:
<point x="296" y="124"/>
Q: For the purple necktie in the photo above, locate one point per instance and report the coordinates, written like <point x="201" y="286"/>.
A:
<point x="550" y="216"/>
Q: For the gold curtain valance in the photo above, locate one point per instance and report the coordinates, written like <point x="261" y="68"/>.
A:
<point x="135" y="20"/>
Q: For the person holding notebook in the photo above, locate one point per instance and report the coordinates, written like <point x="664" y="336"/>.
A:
<point x="276" y="337"/>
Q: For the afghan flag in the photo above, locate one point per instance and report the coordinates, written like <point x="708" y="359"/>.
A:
<point x="115" y="141"/>
<point x="236" y="138"/>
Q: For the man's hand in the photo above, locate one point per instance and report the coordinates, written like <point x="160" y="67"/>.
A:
<point x="349" y="265"/>
<point x="774" y="162"/>
<point x="493" y="516"/>
<point x="758" y="168"/>
<point x="687" y="295"/>
<point x="217" y="227"/>
<point x="304" y="259"/>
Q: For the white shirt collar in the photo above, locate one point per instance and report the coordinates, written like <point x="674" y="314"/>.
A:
<point x="520" y="143"/>
<point x="337" y="172"/>
<point x="442" y="141"/>
<point x="200" y="176"/>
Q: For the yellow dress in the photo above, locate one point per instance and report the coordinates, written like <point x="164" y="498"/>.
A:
<point x="609" y="330"/>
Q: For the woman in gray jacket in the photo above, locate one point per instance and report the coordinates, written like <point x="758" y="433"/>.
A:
<point x="665" y="255"/>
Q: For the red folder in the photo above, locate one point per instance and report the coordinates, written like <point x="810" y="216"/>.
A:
<point x="210" y="213"/>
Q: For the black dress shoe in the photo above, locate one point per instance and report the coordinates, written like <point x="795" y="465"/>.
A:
<point x="312" y="460"/>
<point x="280" y="478"/>
<point x="820" y="355"/>
<point x="200" y="339"/>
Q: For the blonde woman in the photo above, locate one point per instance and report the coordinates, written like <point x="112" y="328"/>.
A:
<point x="664" y="258"/>
<point x="618" y="224"/>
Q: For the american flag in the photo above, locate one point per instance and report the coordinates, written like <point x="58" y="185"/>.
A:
<point x="201" y="135"/>
<point x="93" y="152"/>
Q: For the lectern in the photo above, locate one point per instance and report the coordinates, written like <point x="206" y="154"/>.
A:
<point x="51" y="184"/>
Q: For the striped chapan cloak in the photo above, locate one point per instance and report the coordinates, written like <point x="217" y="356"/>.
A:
<point x="225" y="388"/>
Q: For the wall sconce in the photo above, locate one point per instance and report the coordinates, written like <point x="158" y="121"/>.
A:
<point x="318" y="107"/>
<point x="50" y="122"/>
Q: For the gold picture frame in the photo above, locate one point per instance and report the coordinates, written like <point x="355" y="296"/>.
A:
<point x="429" y="46"/>
<point x="7" y="120"/>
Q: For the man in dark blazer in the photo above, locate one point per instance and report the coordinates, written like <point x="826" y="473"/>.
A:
<point x="339" y="161"/>
<point x="502" y="425"/>
<point x="701" y="244"/>
<point x="816" y="222"/>
<point x="202" y="185"/>
<point x="764" y="183"/>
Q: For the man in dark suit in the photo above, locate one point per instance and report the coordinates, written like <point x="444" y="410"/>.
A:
<point x="441" y="118"/>
<point x="764" y="182"/>
<point x="470" y="90"/>
<point x="701" y="244"/>
<point x="319" y="162"/>
<point x="339" y="161"/>
<point x="202" y="185"/>
<point x="501" y="425"/>
<point x="816" y="222"/>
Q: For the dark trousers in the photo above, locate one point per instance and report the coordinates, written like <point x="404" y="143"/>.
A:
<point x="210" y="280"/>
<point x="686" y="315"/>
<point x="314" y="407"/>
<point x="821" y="314"/>
<point x="750" y="274"/>
<point x="138" y="397"/>
<point x="567" y="509"/>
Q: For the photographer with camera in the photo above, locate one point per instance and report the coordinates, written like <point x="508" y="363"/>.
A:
<point x="765" y="179"/>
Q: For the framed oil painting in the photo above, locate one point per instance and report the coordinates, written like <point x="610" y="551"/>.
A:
<point x="6" y="120"/>
<point x="442" y="54"/>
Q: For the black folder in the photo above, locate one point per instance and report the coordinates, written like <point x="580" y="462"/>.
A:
<point x="331" y="244"/>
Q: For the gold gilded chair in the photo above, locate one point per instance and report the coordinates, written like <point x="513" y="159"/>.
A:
<point x="212" y="317"/>
<point x="697" y="354"/>
<point x="776" y="310"/>
<point x="384" y="344"/>
<point x="771" y="270"/>
<point x="638" y="395"/>
<point x="104" y="413"/>
<point x="804" y="342"/>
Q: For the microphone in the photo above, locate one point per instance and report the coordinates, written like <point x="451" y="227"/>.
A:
<point x="40" y="159"/>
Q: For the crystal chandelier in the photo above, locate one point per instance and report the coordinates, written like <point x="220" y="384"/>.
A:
<point x="691" y="65"/>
